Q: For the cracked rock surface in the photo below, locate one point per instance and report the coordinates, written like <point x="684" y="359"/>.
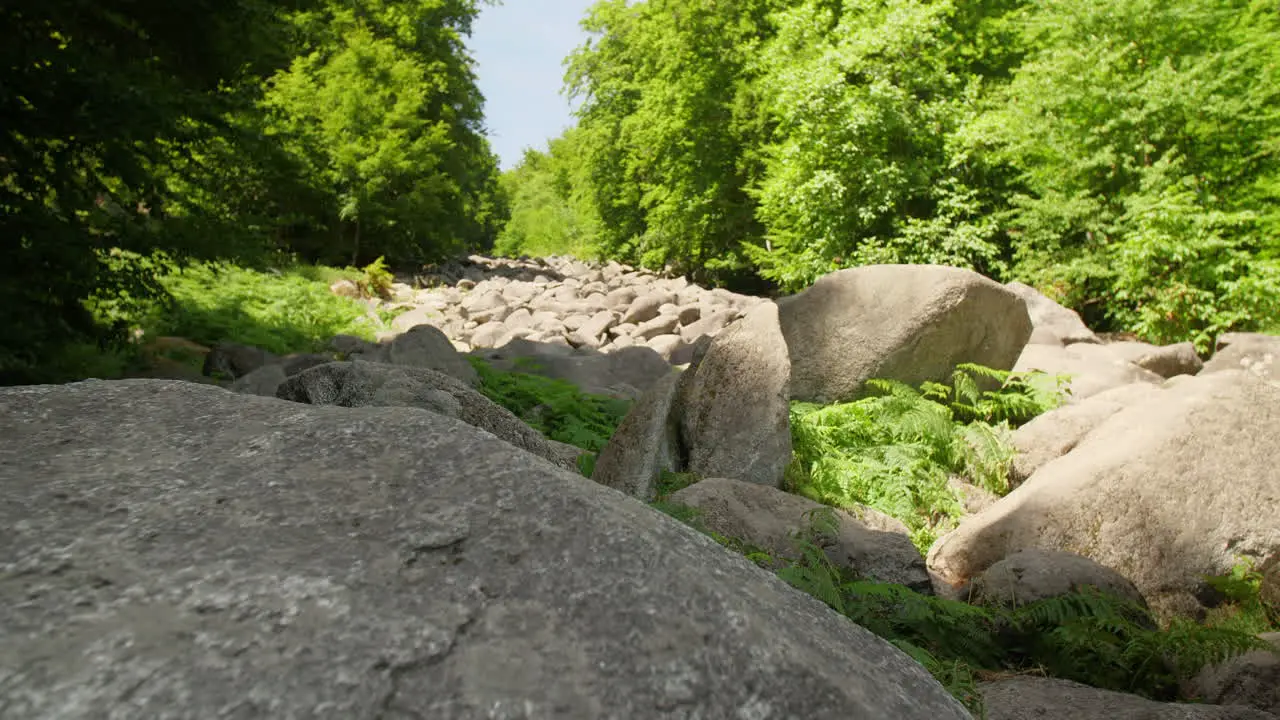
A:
<point x="171" y="550"/>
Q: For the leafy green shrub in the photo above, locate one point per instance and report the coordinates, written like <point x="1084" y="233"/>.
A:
<point x="896" y="451"/>
<point x="376" y="279"/>
<point x="556" y="408"/>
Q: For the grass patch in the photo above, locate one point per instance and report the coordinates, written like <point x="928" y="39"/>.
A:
<point x="896" y="451"/>
<point x="555" y="408"/>
<point x="282" y="311"/>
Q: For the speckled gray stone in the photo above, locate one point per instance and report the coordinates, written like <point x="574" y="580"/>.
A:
<point x="171" y="550"/>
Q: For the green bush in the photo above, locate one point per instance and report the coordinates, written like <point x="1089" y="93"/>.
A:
<point x="896" y="451"/>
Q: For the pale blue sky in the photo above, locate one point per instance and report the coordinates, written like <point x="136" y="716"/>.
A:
<point x="519" y="47"/>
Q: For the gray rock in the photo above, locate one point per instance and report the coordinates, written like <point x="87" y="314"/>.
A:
<point x="1034" y="574"/>
<point x="1164" y="360"/>
<point x="1252" y="679"/>
<point x="297" y="362"/>
<point x="623" y="329"/>
<point x="769" y="519"/>
<point x="1053" y="434"/>
<point x="354" y="385"/>
<point x="235" y="360"/>
<point x="1253" y="352"/>
<point x="595" y="327"/>
<point x="591" y="371"/>
<point x="348" y="344"/>
<point x="1044" y="336"/>
<point x="425" y="346"/>
<point x="638" y="366"/>
<point x="735" y="416"/>
<point x="643" y="308"/>
<point x="661" y="325"/>
<point x="490" y="334"/>
<point x="689" y="314"/>
<point x="1093" y="368"/>
<point x="520" y="318"/>
<point x="485" y="307"/>
<point x="1038" y="698"/>
<point x="264" y="381"/>
<point x="667" y="346"/>
<point x="421" y="315"/>
<point x="1164" y="492"/>
<point x="1270" y="589"/>
<point x="179" y="551"/>
<point x="645" y="444"/>
<point x="711" y="323"/>
<point x="910" y="323"/>
<point x="1064" y="324"/>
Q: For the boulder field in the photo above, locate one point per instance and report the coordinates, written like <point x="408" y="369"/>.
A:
<point x="360" y="533"/>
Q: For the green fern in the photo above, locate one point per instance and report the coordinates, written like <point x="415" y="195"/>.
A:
<point x="896" y="451"/>
<point x="1089" y="636"/>
<point x="556" y="408"/>
<point x="1109" y="642"/>
<point x="671" y="482"/>
<point x="1243" y="609"/>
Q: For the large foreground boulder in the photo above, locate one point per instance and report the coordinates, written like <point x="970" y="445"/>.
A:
<point x="1164" y="492"/>
<point x="1055" y="433"/>
<point x="173" y="550"/>
<point x="901" y="322"/>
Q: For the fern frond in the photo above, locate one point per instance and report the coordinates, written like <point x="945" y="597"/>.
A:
<point x="966" y="388"/>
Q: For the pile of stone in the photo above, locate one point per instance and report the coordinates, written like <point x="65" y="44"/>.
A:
<point x="563" y="301"/>
<point x="363" y="534"/>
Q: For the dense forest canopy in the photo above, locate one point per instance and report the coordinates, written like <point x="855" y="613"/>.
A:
<point x="139" y="131"/>
<point x="1121" y="155"/>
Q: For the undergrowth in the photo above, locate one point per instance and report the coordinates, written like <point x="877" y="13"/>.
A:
<point x="896" y="451"/>
<point x="1242" y="608"/>
<point x="281" y="311"/>
<point x="283" y="307"/>
<point x="556" y="408"/>
<point x="1090" y="637"/>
